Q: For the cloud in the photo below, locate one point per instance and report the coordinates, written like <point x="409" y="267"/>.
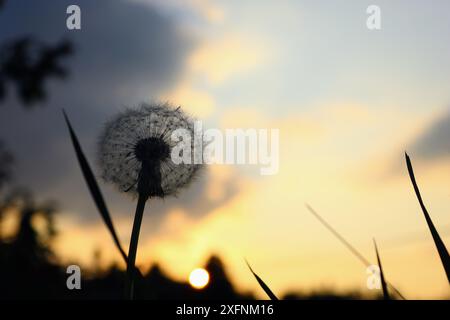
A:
<point x="208" y="10"/>
<point x="122" y="46"/>
<point x="194" y="100"/>
<point x="434" y="142"/>
<point x="221" y="59"/>
<point x="126" y="52"/>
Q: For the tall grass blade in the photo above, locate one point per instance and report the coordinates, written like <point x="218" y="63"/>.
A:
<point x="264" y="286"/>
<point x="443" y="253"/>
<point x="383" y="281"/>
<point x="93" y="188"/>
<point x="352" y="249"/>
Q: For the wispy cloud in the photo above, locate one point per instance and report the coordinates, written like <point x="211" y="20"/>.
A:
<point x="434" y="142"/>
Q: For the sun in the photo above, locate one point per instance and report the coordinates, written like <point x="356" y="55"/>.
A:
<point x="199" y="278"/>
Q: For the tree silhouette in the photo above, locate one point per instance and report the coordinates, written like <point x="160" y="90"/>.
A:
<point x="27" y="62"/>
<point x="28" y="267"/>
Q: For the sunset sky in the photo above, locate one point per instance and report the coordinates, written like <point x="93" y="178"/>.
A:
<point x="348" y="102"/>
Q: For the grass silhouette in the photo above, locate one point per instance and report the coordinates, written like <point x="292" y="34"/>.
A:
<point x="351" y="248"/>
<point x="263" y="285"/>
<point x="382" y="279"/>
<point x="440" y="246"/>
<point x="106" y="217"/>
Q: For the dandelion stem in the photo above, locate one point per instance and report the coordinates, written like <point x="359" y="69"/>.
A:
<point x="129" y="286"/>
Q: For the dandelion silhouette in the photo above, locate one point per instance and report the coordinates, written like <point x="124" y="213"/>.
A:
<point x="135" y="155"/>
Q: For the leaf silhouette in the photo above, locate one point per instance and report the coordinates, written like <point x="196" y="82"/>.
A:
<point x="352" y="249"/>
<point x="442" y="250"/>
<point x="383" y="282"/>
<point x="264" y="286"/>
<point x="94" y="189"/>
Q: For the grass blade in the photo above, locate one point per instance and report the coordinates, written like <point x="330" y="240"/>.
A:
<point x="383" y="281"/>
<point x="352" y="249"/>
<point x="131" y="267"/>
<point x="264" y="286"/>
<point x="93" y="188"/>
<point x="443" y="253"/>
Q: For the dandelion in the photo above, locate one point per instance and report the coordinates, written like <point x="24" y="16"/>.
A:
<point x="135" y="149"/>
<point x="135" y="155"/>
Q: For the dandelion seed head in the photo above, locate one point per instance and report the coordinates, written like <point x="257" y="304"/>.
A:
<point x="136" y="146"/>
